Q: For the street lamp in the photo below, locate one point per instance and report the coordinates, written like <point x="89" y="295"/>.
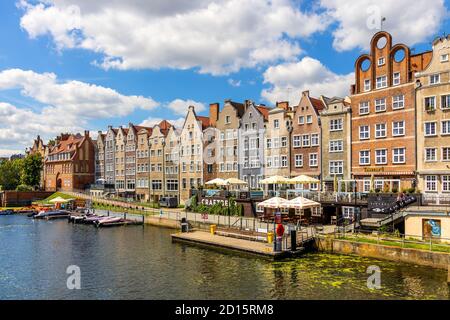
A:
<point x="149" y="170"/>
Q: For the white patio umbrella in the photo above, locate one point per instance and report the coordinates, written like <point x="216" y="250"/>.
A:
<point x="60" y="200"/>
<point x="217" y="181"/>
<point x="235" y="181"/>
<point x="301" y="204"/>
<point x="275" y="180"/>
<point x="275" y="203"/>
<point x="303" y="179"/>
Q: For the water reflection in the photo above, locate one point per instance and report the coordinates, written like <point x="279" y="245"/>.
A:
<point x="143" y="263"/>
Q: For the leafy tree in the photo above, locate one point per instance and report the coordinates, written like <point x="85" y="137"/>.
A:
<point x="10" y="172"/>
<point x="31" y="170"/>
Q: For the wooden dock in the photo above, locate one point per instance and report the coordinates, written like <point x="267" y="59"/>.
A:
<point x="231" y="243"/>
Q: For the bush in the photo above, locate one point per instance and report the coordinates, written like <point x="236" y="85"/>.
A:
<point x="24" y="188"/>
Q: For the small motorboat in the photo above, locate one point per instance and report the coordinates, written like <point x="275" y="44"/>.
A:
<point x="6" y="212"/>
<point x="92" y="219"/>
<point x="107" y="221"/>
<point x="51" y="214"/>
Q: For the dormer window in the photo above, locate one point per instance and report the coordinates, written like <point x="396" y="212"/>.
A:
<point x="444" y="57"/>
<point x="381" y="61"/>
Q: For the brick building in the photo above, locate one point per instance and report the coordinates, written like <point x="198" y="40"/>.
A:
<point x="70" y="164"/>
<point x="383" y="111"/>
<point x="305" y="143"/>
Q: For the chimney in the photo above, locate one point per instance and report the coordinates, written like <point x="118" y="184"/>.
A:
<point x="86" y="133"/>
<point x="283" y="105"/>
<point x="213" y="113"/>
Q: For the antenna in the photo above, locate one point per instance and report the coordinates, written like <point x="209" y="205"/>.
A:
<point x="383" y="19"/>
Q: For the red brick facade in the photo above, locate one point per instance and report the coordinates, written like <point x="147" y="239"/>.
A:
<point x="70" y="164"/>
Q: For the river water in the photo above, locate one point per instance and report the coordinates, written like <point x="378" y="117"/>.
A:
<point x="138" y="262"/>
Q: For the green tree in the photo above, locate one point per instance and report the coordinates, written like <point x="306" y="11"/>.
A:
<point x="31" y="170"/>
<point x="10" y="172"/>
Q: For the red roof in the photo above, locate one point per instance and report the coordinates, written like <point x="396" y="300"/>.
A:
<point x="264" y="111"/>
<point x="317" y="104"/>
<point x="68" y="144"/>
<point x="204" y="121"/>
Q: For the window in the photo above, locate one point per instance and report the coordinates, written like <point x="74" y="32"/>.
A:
<point x="380" y="130"/>
<point x="398" y="102"/>
<point x="276" y="124"/>
<point x="298" y="160"/>
<point x="381" y="61"/>
<point x="313" y="160"/>
<point x="364" y="157"/>
<point x="380" y="105"/>
<point x="276" y="161"/>
<point x="314" y="139"/>
<point x="381" y="156"/>
<point x="308" y="119"/>
<point x="269" y="143"/>
<point x="445" y="101"/>
<point x="336" y="167"/>
<point x="435" y="78"/>
<point x="336" y="124"/>
<point x="430" y="183"/>
<point x="381" y="82"/>
<point x="296" y="142"/>
<point x="336" y="146"/>
<point x="284" y="141"/>
<point x="430" y="154"/>
<point x="172" y="185"/>
<point x="301" y="120"/>
<point x="367" y="85"/>
<point x="445" y="127"/>
<point x="305" y="140"/>
<point x="396" y="78"/>
<point x="228" y="119"/>
<point x="430" y="129"/>
<point x="398" y="155"/>
<point x="364" y="132"/>
<point x="364" y="107"/>
<point x="348" y="212"/>
<point x="276" y="143"/>
<point x="284" y="161"/>
<point x="444" y="57"/>
<point x="398" y="128"/>
<point x="269" y="162"/>
<point x="446" y="154"/>
<point x="446" y="183"/>
<point x="430" y="103"/>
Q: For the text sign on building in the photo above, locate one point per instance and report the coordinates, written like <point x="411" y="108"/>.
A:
<point x="212" y="201"/>
<point x="378" y="202"/>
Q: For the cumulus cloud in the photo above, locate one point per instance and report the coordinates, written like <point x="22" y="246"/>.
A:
<point x="180" y="106"/>
<point x="234" y="83"/>
<point x="408" y="22"/>
<point x="288" y="80"/>
<point x="74" y="97"/>
<point x="215" y="36"/>
<point x="67" y="106"/>
<point x="150" y="122"/>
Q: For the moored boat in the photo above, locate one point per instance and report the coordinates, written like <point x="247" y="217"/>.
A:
<point x="6" y="212"/>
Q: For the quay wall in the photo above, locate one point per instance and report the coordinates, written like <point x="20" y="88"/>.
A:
<point x="438" y="260"/>
<point x="21" y="198"/>
<point x="162" y="222"/>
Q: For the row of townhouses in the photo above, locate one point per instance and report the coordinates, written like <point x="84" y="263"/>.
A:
<point x="393" y="128"/>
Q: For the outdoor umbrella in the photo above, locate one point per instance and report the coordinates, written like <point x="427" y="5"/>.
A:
<point x="217" y="181"/>
<point x="235" y="181"/>
<point x="275" y="180"/>
<point x="303" y="179"/>
<point x="301" y="204"/>
<point x="60" y="200"/>
<point x="275" y="203"/>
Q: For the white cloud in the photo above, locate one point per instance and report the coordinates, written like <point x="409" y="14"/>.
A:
<point x="218" y="37"/>
<point x="408" y="22"/>
<point x="61" y="107"/>
<point x="180" y="107"/>
<point x="234" y="83"/>
<point x="74" y="97"/>
<point x="150" y="122"/>
<point x="10" y="152"/>
<point x="288" y="80"/>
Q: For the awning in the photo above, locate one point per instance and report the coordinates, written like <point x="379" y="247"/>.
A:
<point x="385" y="173"/>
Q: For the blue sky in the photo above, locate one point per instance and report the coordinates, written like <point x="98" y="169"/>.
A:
<point x="68" y="65"/>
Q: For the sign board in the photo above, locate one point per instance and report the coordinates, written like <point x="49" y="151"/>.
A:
<point x="277" y="217"/>
<point x="431" y="228"/>
<point x="377" y="203"/>
<point x="212" y="201"/>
